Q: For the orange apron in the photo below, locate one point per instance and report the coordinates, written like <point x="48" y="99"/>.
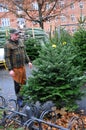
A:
<point x="20" y="75"/>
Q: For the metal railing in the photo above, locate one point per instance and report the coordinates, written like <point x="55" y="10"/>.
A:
<point x="30" y="120"/>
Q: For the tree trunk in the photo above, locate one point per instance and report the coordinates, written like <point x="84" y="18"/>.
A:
<point x="41" y="24"/>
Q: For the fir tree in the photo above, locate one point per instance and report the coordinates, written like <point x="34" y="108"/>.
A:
<point x="80" y="43"/>
<point x="55" y="77"/>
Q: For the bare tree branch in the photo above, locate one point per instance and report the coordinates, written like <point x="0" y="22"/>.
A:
<point x="36" y="10"/>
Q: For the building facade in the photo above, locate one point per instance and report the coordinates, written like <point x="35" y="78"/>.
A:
<point x="70" y="17"/>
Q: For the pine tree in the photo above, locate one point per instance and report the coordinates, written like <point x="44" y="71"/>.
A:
<point x="55" y="77"/>
<point x="80" y="43"/>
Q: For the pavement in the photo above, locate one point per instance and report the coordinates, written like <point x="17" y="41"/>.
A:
<point x="7" y="87"/>
<point x="7" y="84"/>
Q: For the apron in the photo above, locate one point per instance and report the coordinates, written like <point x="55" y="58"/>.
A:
<point x="20" y="75"/>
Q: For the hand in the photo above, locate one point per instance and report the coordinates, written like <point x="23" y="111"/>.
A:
<point x="11" y="73"/>
<point x="30" y="65"/>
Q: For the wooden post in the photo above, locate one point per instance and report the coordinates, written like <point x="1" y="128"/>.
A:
<point x="33" y="31"/>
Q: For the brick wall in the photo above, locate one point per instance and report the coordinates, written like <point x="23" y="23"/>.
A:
<point x="69" y="23"/>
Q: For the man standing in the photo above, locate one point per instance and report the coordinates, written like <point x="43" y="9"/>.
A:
<point x="16" y="57"/>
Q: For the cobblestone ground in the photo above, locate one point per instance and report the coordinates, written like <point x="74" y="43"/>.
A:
<point x="7" y="85"/>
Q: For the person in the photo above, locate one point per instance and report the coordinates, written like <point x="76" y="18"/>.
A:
<point x="16" y="58"/>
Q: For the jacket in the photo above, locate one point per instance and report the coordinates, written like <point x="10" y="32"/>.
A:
<point x="15" y="54"/>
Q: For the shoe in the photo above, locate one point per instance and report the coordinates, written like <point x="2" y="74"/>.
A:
<point x="20" y="101"/>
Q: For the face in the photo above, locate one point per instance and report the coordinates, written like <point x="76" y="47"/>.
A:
<point x="14" y="37"/>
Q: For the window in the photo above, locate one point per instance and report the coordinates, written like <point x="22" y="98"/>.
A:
<point x="73" y="17"/>
<point x="56" y="18"/>
<point x="63" y="18"/>
<point x="3" y="8"/>
<point x="5" y="22"/>
<point x="35" y="5"/>
<point x="19" y="8"/>
<point x="56" y="6"/>
<point x="73" y="29"/>
<point x="21" y="21"/>
<point x="72" y="5"/>
<point x="47" y="6"/>
<point x="81" y="4"/>
<point x="61" y="4"/>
